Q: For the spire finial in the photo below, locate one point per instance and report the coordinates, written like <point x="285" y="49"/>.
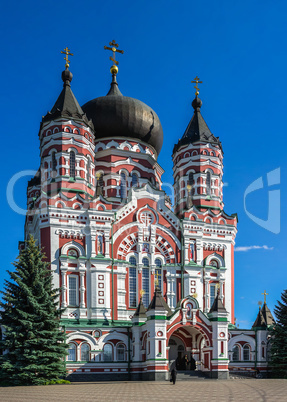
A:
<point x="265" y="294"/>
<point x="114" y="69"/>
<point x="67" y="53"/>
<point x="196" y="82"/>
<point x="142" y="292"/>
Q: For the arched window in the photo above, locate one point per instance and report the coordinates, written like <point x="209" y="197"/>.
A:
<point x="72" y="352"/>
<point x="190" y="183"/>
<point x="73" y="253"/>
<point x="208" y="183"/>
<point x="54" y="162"/>
<point x="190" y="179"/>
<point x="177" y="189"/>
<point x="158" y="271"/>
<point x="145" y="281"/>
<point x="121" y="353"/>
<point x="73" y="290"/>
<point x="72" y="164"/>
<point x="89" y="170"/>
<point x="214" y="263"/>
<point x="135" y="180"/>
<point x="85" y="352"/>
<point x="212" y="294"/>
<point x="246" y="352"/>
<point x="236" y="352"/>
<point x="132" y="282"/>
<point x="123" y="186"/>
<point x="108" y="352"/>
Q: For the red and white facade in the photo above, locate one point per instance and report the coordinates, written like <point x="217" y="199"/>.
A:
<point x="108" y="229"/>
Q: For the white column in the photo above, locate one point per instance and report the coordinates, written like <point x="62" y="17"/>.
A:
<point x="82" y="289"/>
<point x="199" y="251"/>
<point x="93" y="245"/>
<point x="64" y="287"/>
<point x="206" y="295"/>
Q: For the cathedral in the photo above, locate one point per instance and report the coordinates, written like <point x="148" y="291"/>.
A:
<point x="144" y="281"/>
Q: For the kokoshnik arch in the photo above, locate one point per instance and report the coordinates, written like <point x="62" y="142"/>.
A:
<point x="143" y="282"/>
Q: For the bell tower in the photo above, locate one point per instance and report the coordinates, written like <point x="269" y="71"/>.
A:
<point x="197" y="164"/>
<point x="208" y="233"/>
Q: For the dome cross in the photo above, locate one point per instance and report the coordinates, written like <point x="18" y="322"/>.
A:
<point x="68" y="53"/>
<point x="196" y="82"/>
<point x="114" y="49"/>
<point x="265" y="294"/>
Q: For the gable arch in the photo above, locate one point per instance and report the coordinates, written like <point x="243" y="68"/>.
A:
<point x="241" y="338"/>
<point x="220" y="261"/>
<point x="125" y="144"/>
<point x="208" y="219"/>
<point x="75" y="245"/>
<point x="84" y="337"/>
<point x="112" y="144"/>
<point x="60" y="204"/>
<point x="100" y="145"/>
<point x="112" y="336"/>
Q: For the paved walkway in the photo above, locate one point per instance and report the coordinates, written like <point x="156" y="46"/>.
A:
<point x="195" y="391"/>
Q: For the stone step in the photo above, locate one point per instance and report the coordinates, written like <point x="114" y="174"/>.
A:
<point x="190" y="375"/>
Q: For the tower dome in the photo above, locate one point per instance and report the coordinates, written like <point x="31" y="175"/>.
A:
<point x="115" y="115"/>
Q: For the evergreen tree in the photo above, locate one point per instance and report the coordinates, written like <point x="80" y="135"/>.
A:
<point x="33" y="346"/>
<point x="279" y="339"/>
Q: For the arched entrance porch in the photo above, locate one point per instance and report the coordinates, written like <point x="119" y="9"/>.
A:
<point x="190" y="348"/>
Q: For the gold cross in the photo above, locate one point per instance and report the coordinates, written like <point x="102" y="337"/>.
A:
<point x="157" y="274"/>
<point x="114" y="49"/>
<point x="67" y="53"/>
<point x="196" y="82"/>
<point x="265" y="294"/>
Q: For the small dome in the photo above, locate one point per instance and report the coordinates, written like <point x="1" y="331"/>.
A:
<point x="115" y="115"/>
<point x="196" y="103"/>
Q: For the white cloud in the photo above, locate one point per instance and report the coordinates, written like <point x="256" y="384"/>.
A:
<point x="248" y="248"/>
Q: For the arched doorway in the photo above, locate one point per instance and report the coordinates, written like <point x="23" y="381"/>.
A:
<point x="189" y="347"/>
<point x="176" y="348"/>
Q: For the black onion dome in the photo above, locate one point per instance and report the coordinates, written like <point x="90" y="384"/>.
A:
<point x="115" y="115"/>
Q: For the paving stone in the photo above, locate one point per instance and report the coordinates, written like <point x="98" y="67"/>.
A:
<point x="195" y="391"/>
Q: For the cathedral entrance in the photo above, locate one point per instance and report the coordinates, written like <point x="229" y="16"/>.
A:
<point x="187" y="347"/>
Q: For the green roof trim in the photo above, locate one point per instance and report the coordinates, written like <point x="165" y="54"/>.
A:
<point x="156" y="317"/>
<point x="84" y="322"/>
<point x="220" y="319"/>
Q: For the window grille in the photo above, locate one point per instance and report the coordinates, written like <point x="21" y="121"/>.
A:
<point x="72" y="164"/>
<point x="72" y="291"/>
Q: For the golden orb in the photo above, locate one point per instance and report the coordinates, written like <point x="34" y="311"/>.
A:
<point x="114" y="70"/>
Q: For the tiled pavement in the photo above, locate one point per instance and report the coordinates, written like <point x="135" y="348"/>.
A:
<point x="206" y="390"/>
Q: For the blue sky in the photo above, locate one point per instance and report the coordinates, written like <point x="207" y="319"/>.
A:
<point x="238" y="49"/>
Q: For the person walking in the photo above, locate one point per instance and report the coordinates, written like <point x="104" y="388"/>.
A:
<point x="173" y="372"/>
